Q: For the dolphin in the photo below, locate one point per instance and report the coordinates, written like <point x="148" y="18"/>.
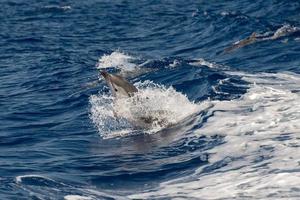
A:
<point x="118" y="85"/>
<point x="285" y="30"/>
<point x="249" y="40"/>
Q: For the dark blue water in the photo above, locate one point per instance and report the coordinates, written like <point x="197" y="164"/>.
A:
<point x="239" y="134"/>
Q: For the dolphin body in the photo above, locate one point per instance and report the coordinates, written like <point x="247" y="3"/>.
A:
<point x="285" y="30"/>
<point x="118" y="85"/>
<point x="121" y="88"/>
<point x="249" y="40"/>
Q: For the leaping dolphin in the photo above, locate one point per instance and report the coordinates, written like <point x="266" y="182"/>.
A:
<point x="118" y="85"/>
<point x="122" y="88"/>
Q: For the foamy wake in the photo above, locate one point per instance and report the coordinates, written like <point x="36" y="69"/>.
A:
<point x="56" y="7"/>
<point x="19" y="179"/>
<point x="283" y="31"/>
<point x="153" y="108"/>
<point x="77" y="197"/>
<point x="260" y="159"/>
<point x="201" y="62"/>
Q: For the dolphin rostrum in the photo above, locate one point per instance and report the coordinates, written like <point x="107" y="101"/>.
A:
<point x="118" y="85"/>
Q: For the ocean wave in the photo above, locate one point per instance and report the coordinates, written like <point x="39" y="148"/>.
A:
<point x="260" y="128"/>
<point x="205" y="124"/>
<point x="43" y="187"/>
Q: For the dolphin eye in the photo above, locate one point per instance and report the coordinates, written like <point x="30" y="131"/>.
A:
<point x="116" y="90"/>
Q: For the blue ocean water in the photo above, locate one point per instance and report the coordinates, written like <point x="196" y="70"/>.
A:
<point x="232" y="118"/>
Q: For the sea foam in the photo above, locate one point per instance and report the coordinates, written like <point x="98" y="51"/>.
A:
<point x="260" y="156"/>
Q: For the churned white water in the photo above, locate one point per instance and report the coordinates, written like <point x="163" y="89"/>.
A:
<point x="151" y="109"/>
<point x="19" y="179"/>
<point x="77" y="197"/>
<point x="260" y="158"/>
<point x="116" y="60"/>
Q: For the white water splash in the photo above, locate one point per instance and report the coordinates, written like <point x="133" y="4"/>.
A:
<point x="77" y="197"/>
<point x="64" y="8"/>
<point x="260" y="159"/>
<point x="153" y="108"/>
<point x="202" y="62"/>
<point x="175" y="63"/>
<point x="116" y="60"/>
<point x="285" y="30"/>
<point x="31" y="176"/>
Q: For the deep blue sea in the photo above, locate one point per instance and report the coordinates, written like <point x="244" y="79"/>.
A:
<point x="222" y="76"/>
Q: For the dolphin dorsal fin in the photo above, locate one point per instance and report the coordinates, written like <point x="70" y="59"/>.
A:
<point x="253" y="35"/>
